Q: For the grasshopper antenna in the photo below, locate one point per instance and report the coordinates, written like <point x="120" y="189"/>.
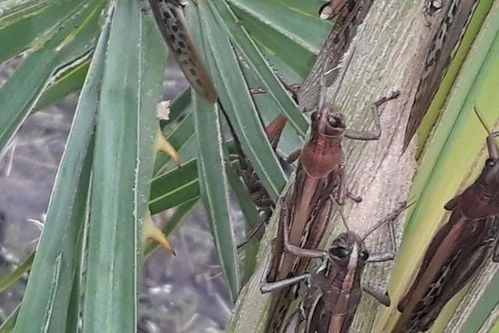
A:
<point x="477" y="112"/>
<point x="323" y="87"/>
<point x="491" y="144"/>
<point x="325" y="72"/>
<point x="338" y="209"/>
<point x="349" y="60"/>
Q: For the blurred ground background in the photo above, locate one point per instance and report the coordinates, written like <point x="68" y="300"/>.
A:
<point x="185" y="293"/>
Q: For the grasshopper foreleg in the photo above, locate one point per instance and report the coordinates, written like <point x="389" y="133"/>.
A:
<point x="376" y="133"/>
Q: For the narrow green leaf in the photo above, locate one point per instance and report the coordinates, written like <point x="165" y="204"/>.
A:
<point x="153" y="54"/>
<point x="238" y="104"/>
<point x="68" y="83"/>
<point x="284" y="31"/>
<point x="16" y="274"/>
<point x="122" y="168"/>
<point x="215" y="189"/>
<point x="484" y="307"/>
<point x="249" y="210"/>
<point x="20" y="93"/>
<point x="112" y="250"/>
<point x="180" y="105"/>
<point x="10" y="322"/>
<point x="47" y="295"/>
<point x="174" y="187"/>
<point x="259" y="65"/>
<point x="22" y="24"/>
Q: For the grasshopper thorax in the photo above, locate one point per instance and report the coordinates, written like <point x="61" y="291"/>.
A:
<point x="322" y="153"/>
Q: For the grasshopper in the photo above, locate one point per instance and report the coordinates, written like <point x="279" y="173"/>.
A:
<point x="335" y="287"/>
<point x="458" y="249"/>
<point x="171" y="22"/>
<point x="258" y="193"/>
<point x="452" y="23"/>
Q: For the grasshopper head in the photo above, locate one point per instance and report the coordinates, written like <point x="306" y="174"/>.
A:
<point x="346" y="246"/>
<point x="333" y="124"/>
<point x="330" y="9"/>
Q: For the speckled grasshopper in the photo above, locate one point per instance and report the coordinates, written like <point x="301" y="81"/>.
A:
<point x="457" y="250"/>
<point x="170" y="19"/>
<point x="452" y="20"/>
<point x="335" y="287"/>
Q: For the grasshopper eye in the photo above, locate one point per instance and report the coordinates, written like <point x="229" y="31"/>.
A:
<point x="315" y="116"/>
<point x="339" y="252"/>
<point x="326" y="12"/>
<point x="490" y="162"/>
<point x="332" y="121"/>
<point x="364" y="255"/>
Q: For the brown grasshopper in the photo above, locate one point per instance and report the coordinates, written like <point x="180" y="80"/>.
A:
<point x="457" y="250"/>
<point x="257" y="191"/>
<point x="170" y="19"/>
<point x="452" y="25"/>
<point x="348" y="14"/>
<point x="335" y="287"/>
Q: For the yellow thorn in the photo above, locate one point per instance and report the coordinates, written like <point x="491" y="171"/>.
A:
<point x="162" y="145"/>
<point x="153" y="232"/>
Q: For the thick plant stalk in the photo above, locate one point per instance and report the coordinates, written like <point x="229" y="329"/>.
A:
<point x="389" y="55"/>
